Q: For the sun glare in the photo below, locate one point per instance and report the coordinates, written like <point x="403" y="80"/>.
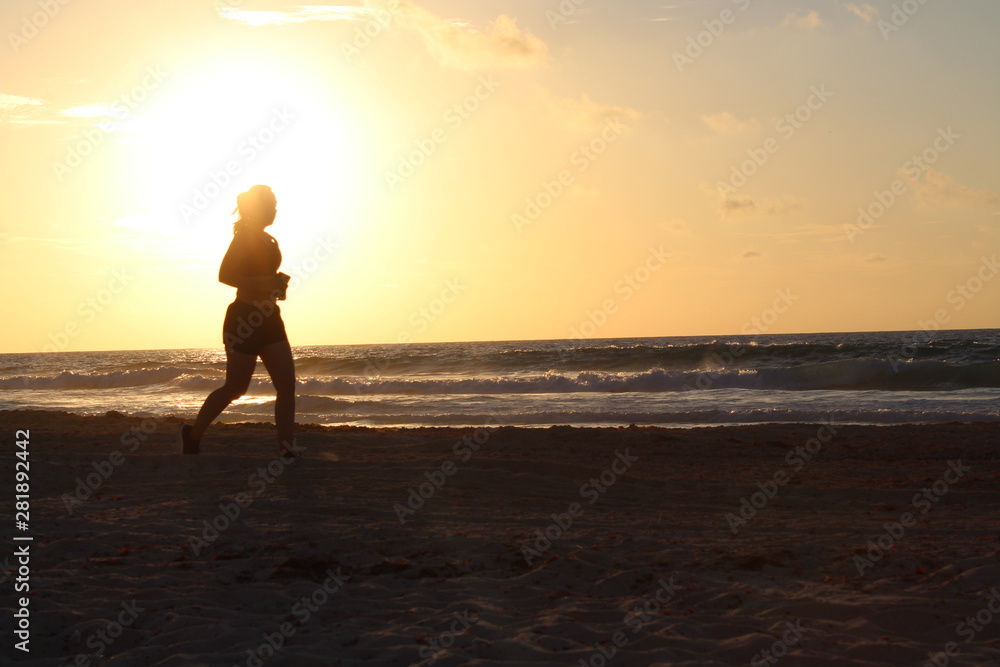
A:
<point x="227" y="127"/>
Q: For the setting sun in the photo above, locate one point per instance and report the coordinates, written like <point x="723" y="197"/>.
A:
<point x="225" y="127"/>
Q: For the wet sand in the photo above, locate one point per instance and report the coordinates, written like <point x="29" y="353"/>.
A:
<point x="763" y="545"/>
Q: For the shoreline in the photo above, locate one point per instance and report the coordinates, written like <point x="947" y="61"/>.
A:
<point x="506" y="545"/>
<point x="110" y="416"/>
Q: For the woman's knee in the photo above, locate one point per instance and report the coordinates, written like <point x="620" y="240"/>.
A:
<point x="234" y="391"/>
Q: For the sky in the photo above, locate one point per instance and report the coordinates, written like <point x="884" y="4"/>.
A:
<point x="457" y="171"/>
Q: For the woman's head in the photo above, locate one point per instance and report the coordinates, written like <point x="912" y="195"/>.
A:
<point x="257" y="207"/>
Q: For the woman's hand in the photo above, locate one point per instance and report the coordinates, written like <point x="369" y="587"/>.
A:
<point x="281" y="285"/>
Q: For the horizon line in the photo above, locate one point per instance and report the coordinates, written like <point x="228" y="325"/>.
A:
<point x="529" y="340"/>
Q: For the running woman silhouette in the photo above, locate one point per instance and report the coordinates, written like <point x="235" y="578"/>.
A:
<point x="252" y="327"/>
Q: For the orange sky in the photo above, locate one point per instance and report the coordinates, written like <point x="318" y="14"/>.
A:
<point x="500" y="170"/>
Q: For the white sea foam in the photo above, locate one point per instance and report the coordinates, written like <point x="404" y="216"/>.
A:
<point x="866" y="378"/>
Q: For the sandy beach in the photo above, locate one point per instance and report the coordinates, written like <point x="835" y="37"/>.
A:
<point x="757" y="545"/>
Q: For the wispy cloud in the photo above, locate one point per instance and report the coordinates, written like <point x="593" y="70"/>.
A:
<point x="934" y="188"/>
<point x="457" y="45"/>
<point x="93" y="111"/>
<point x="797" y="19"/>
<point x="301" y="14"/>
<point x="865" y="12"/>
<point x="84" y="246"/>
<point x="8" y="102"/>
<point x="676" y="226"/>
<point x="668" y="9"/>
<point x="731" y="206"/>
<point x="585" y="114"/>
<point x="725" y="123"/>
<point x="20" y="109"/>
<point x="453" y="43"/>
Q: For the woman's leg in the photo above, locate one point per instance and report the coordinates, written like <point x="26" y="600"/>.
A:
<point x="277" y="358"/>
<point x="239" y="371"/>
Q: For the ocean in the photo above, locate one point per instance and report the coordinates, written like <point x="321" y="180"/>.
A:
<point x="862" y="378"/>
